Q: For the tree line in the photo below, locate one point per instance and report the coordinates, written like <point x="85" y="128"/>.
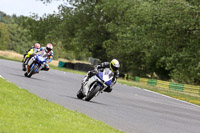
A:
<point x="151" y="38"/>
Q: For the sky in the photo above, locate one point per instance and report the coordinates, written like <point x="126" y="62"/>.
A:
<point x="27" y="7"/>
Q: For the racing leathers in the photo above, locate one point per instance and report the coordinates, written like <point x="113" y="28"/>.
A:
<point x="49" y="55"/>
<point x="28" y="51"/>
<point x="101" y="67"/>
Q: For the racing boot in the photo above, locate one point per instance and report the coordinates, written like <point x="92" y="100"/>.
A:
<point x="108" y="89"/>
<point x="84" y="80"/>
<point x="89" y="75"/>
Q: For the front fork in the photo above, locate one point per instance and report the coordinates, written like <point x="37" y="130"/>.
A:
<point x="41" y="66"/>
<point x="94" y="85"/>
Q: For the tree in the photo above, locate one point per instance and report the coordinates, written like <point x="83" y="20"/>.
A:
<point x="4" y="36"/>
<point x="150" y="38"/>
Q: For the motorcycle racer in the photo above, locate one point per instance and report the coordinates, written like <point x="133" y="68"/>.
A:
<point x="49" y="53"/>
<point x="113" y="66"/>
<point x="30" y="53"/>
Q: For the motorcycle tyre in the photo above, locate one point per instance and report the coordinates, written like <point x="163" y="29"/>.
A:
<point x="32" y="71"/>
<point x="92" y="93"/>
<point x="24" y="67"/>
<point x="80" y="94"/>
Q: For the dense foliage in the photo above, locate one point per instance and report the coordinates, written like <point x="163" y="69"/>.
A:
<point x="12" y="36"/>
<point x="151" y="38"/>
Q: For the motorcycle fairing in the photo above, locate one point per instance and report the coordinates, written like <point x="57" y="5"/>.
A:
<point x="40" y="59"/>
<point x="106" y="76"/>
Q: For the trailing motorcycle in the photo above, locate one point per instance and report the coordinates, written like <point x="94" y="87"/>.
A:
<point x="26" y="59"/>
<point x="96" y="84"/>
<point x="36" y="63"/>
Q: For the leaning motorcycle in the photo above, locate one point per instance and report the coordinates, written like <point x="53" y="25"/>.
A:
<point x="95" y="85"/>
<point x="36" y="63"/>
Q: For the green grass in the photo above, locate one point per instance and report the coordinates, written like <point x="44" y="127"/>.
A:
<point x="23" y="112"/>
<point x="67" y="70"/>
<point x="175" y="94"/>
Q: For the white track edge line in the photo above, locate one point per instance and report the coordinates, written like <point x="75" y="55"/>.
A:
<point x="1" y="77"/>
<point x="169" y="97"/>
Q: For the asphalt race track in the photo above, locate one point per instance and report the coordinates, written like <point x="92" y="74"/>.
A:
<point x="129" y="109"/>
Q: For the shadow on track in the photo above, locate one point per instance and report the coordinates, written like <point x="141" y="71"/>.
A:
<point x="97" y="103"/>
<point x="84" y="100"/>
<point x="26" y="77"/>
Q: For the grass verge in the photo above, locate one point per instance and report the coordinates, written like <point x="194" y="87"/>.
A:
<point x="67" y="70"/>
<point x="175" y="94"/>
<point x="12" y="59"/>
<point x="23" y="112"/>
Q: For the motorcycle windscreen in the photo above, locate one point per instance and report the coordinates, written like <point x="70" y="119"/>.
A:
<point x="41" y="59"/>
<point x="106" y="76"/>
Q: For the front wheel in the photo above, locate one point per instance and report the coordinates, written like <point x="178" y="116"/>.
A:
<point x="92" y="93"/>
<point x="32" y="71"/>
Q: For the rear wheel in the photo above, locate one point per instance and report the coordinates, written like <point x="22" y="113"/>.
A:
<point x="23" y="67"/>
<point x="92" y="93"/>
<point x="80" y="94"/>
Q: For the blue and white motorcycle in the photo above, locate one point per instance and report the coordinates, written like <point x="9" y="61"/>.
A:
<point x="36" y="63"/>
<point x="96" y="84"/>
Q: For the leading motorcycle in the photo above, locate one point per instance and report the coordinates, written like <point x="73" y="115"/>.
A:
<point x="36" y="63"/>
<point x="96" y="85"/>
